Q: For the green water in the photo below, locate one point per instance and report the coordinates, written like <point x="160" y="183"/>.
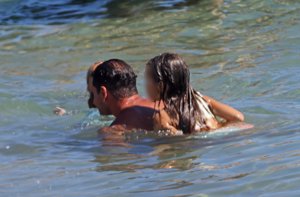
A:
<point x="244" y="53"/>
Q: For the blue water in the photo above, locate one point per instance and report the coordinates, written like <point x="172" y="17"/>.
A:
<point x="244" y="53"/>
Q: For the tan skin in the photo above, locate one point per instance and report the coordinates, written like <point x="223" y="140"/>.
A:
<point x="133" y="112"/>
<point x="224" y="111"/>
<point x="162" y="121"/>
<point x="136" y="112"/>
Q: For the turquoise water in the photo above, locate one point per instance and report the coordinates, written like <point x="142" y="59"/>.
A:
<point x="244" y="53"/>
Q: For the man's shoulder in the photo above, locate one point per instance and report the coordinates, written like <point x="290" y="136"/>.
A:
<point x="139" y="117"/>
<point x="137" y="110"/>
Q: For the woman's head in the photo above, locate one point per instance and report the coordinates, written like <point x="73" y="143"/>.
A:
<point x="167" y="77"/>
<point x="168" y="81"/>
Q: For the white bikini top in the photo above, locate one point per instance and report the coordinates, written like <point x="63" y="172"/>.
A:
<point x="203" y="122"/>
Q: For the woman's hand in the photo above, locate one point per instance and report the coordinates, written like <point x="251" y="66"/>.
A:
<point x="224" y="111"/>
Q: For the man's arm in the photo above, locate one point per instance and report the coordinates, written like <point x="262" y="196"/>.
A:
<point x="224" y="111"/>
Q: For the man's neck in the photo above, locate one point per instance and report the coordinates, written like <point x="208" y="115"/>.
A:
<point x="124" y="103"/>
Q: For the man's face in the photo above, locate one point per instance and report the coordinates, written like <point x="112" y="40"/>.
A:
<point x="91" y="95"/>
<point x="90" y="83"/>
<point x="99" y="99"/>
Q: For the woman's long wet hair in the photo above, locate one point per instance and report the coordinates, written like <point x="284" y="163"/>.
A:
<point x="172" y="73"/>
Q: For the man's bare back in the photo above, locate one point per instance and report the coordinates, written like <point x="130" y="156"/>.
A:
<point x="138" y="115"/>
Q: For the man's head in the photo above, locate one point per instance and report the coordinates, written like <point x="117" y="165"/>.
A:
<point x="112" y="80"/>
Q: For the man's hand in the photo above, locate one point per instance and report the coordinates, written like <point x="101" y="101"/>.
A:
<point x="59" y="111"/>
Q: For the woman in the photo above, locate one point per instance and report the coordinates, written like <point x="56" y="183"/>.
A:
<point x="184" y="109"/>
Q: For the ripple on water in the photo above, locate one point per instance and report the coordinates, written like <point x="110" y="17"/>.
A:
<point x="245" y="53"/>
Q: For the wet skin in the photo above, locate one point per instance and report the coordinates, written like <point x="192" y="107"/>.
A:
<point x="134" y="112"/>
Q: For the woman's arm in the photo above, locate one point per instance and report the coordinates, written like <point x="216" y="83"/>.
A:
<point x="224" y="111"/>
<point x="162" y="121"/>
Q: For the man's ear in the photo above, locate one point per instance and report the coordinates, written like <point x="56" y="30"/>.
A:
<point x="104" y="92"/>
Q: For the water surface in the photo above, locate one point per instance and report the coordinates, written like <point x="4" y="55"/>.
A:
<point x="244" y="53"/>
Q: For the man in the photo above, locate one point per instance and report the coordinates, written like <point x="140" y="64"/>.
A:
<point x="113" y="91"/>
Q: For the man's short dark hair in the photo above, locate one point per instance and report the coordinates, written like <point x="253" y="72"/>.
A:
<point x="117" y="76"/>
